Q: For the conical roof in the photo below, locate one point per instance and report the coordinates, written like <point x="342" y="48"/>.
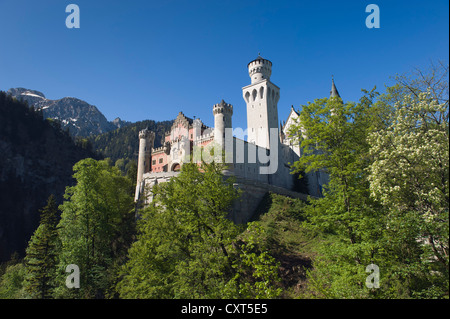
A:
<point x="334" y="92"/>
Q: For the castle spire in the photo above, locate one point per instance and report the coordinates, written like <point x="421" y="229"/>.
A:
<point x="334" y="92"/>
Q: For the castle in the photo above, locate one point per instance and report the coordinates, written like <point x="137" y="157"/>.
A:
<point x="260" y="164"/>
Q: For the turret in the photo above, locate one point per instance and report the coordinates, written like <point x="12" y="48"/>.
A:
<point x="197" y="128"/>
<point x="222" y="120"/>
<point x="146" y="143"/>
<point x="259" y="69"/>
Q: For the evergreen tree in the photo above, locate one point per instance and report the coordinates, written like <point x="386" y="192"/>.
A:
<point x="123" y="143"/>
<point x="41" y="254"/>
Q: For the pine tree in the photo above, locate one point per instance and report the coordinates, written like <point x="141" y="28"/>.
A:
<point x="41" y="254"/>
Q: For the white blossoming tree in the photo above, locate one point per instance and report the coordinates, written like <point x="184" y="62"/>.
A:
<point x="410" y="175"/>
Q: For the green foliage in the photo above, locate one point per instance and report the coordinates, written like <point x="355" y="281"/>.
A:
<point x="11" y="282"/>
<point x="183" y="235"/>
<point x="96" y="227"/>
<point x="282" y="218"/>
<point x="131" y="172"/>
<point x="84" y="143"/>
<point x="387" y="199"/>
<point x="256" y="270"/>
<point x="41" y="254"/>
<point x="410" y="176"/>
<point x="186" y="246"/>
<point x="123" y="143"/>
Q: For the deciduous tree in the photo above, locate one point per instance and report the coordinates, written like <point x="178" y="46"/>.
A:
<point x="96" y="227"/>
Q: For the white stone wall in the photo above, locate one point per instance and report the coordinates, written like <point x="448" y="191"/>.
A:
<point x="259" y="164"/>
<point x="262" y="111"/>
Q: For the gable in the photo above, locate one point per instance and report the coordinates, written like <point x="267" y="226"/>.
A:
<point x="293" y="115"/>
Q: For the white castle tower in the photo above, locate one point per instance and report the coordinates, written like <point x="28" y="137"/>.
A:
<point x="222" y="120"/>
<point x="146" y="143"/>
<point x="262" y="98"/>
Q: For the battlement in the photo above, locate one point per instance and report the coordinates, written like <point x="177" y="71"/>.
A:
<point x="259" y="69"/>
<point x="204" y="138"/>
<point x="146" y="133"/>
<point x="158" y="150"/>
<point x="223" y="107"/>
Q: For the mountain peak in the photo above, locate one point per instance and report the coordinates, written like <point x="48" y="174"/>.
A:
<point x="80" y="117"/>
<point x="25" y="92"/>
<point x="118" y="122"/>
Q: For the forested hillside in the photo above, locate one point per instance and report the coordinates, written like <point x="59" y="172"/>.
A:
<point x="123" y="143"/>
<point x="36" y="160"/>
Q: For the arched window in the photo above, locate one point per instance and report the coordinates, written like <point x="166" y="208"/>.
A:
<point x="254" y="94"/>
<point x="261" y="92"/>
<point x="247" y="96"/>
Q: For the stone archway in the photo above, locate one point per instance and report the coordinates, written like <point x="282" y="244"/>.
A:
<point x="176" y="167"/>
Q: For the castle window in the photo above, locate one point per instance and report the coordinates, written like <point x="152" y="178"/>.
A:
<point x="160" y="160"/>
<point x="261" y="92"/>
<point x="254" y="94"/>
<point x="153" y="162"/>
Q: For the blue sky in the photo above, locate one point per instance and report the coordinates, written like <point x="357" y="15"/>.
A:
<point x="151" y="59"/>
